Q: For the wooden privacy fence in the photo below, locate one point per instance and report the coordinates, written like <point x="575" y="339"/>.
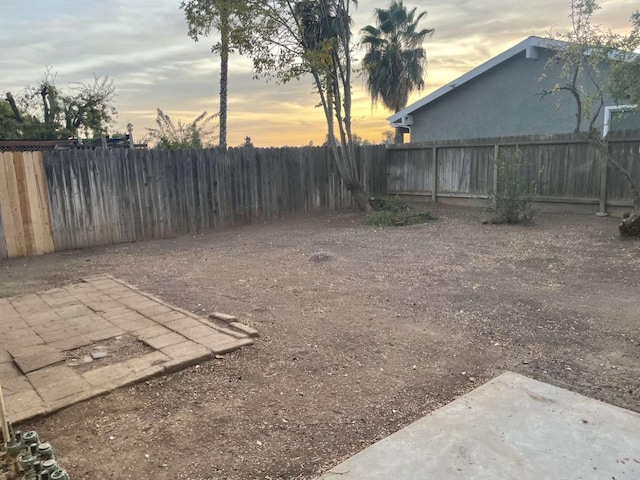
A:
<point x="60" y="200"/>
<point x="565" y="169"/>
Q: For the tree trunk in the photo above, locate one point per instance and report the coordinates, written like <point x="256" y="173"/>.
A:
<point x="14" y="107"/>
<point x="399" y="137"/>
<point x="45" y="106"/>
<point x="360" y="197"/>
<point x="224" y="75"/>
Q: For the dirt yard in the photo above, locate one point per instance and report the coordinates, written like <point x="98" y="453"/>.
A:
<point x="395" y="324"/>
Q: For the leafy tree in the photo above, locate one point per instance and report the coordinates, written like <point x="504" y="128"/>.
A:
<point x="46" y="112"/>
<point x="511" y="200"/>
<point x="313" y="37"/>
<point x="597" y="64"/>
<point x="180" y="136"/>
<point x="388" y="136"/>
<point x="395" y="61"/>
<point x="233" y="19"/>
<point x="625" y="75"/>
<point x="9" y="126"/>
<point x="88" y="107"/>
<point x="247" y="142"/>
<point x="358" y="141"/>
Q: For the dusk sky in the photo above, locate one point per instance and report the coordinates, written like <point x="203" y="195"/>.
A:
<point x="143" y="46"/>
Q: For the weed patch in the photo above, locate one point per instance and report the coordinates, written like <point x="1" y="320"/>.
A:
<point x="394" y="212"/>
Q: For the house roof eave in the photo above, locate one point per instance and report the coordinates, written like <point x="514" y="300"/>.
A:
<point x="470" y="75"/>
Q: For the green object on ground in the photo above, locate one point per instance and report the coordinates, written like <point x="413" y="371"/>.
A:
<point x="60" y="475"/>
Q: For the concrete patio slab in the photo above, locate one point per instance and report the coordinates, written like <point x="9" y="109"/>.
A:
<point x="512" y="427"/>
<point x="40" y="332"/>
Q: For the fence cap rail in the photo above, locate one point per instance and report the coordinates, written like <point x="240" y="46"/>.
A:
<point x="556" y="139"/>
<point x="34" y="145"/>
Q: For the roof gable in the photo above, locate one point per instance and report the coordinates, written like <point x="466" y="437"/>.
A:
<point x="529" y="45"/>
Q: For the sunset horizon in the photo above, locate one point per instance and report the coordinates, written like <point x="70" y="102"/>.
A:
<point x="154" y="64"/>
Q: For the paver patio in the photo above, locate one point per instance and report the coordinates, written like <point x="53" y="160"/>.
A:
<point x="37" y="330"/>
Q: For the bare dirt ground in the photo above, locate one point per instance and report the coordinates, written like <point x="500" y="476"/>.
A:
<point x="399" y="322"/>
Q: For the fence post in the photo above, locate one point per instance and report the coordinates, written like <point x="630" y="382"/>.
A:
<point x="434" y="169"/>
<point x="130" y="131"/>
<point x="604" y="173"/>
<point x="494" y="186"/>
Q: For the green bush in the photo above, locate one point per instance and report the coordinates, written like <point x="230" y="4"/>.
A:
<point x="394" y="212"/>
<point x="511" y="202"/>
<point x="380" y="218"/>
<point x="390" y="204"/>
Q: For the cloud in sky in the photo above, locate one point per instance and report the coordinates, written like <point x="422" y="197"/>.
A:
<point x="143" y="46"/>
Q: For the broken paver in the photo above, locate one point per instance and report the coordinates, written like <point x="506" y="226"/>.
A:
<point x="152" y="309"/>
<point x="224" y="317"/>
<point x="12" y="380"/>
<point x="55" y="391"/>
<point x="102" y="375"/>
<point x="200" y="331"/>
<point x="105" y="334"/>
<point x="185" y="350"/>
<point x="252" y="332"/>
<point x="147" y="361"/>
<point x="74" y="362"/>
<point x="36" y="357"/>
<point x="164" y="340"/>
<point x="51" y="336"/>
<point x="48" y="375"/>
<point x="39" y="328"/>
<point x="24" y="400"/>
<point x="168" y="316"/>
<point x="139" y="324"/>
<point x="183" y="324"/>
<point x="72" y="343"/>
<point x="5" y="357"/>
<point x="24" y="337"/>
<point x="220" y="348"/>
<point x="150" y="332"/>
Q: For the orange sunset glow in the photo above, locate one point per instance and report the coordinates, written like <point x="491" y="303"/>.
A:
<point x="155" y="65"/>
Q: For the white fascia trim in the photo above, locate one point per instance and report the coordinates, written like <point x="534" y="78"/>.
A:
<point x="470" y="75"/>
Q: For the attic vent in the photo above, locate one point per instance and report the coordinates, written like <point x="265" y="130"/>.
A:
<point x="532" y="53"/>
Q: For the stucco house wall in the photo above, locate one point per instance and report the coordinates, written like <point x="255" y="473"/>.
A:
<point x="502" y="101"/>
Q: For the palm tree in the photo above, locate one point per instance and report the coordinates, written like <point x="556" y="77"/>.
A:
<point x="233" y="19"/>
<point x="395" y="60"/>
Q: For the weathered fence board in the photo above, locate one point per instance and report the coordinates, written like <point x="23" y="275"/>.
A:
<point x="3" y="242"/>
<point x="564" y="168"/>
<point x="628" y="156"/>
<point x="82" y="198"/>
<point x="465" y="170"/>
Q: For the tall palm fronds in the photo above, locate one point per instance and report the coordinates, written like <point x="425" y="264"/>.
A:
<point x="395" y="60"/>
